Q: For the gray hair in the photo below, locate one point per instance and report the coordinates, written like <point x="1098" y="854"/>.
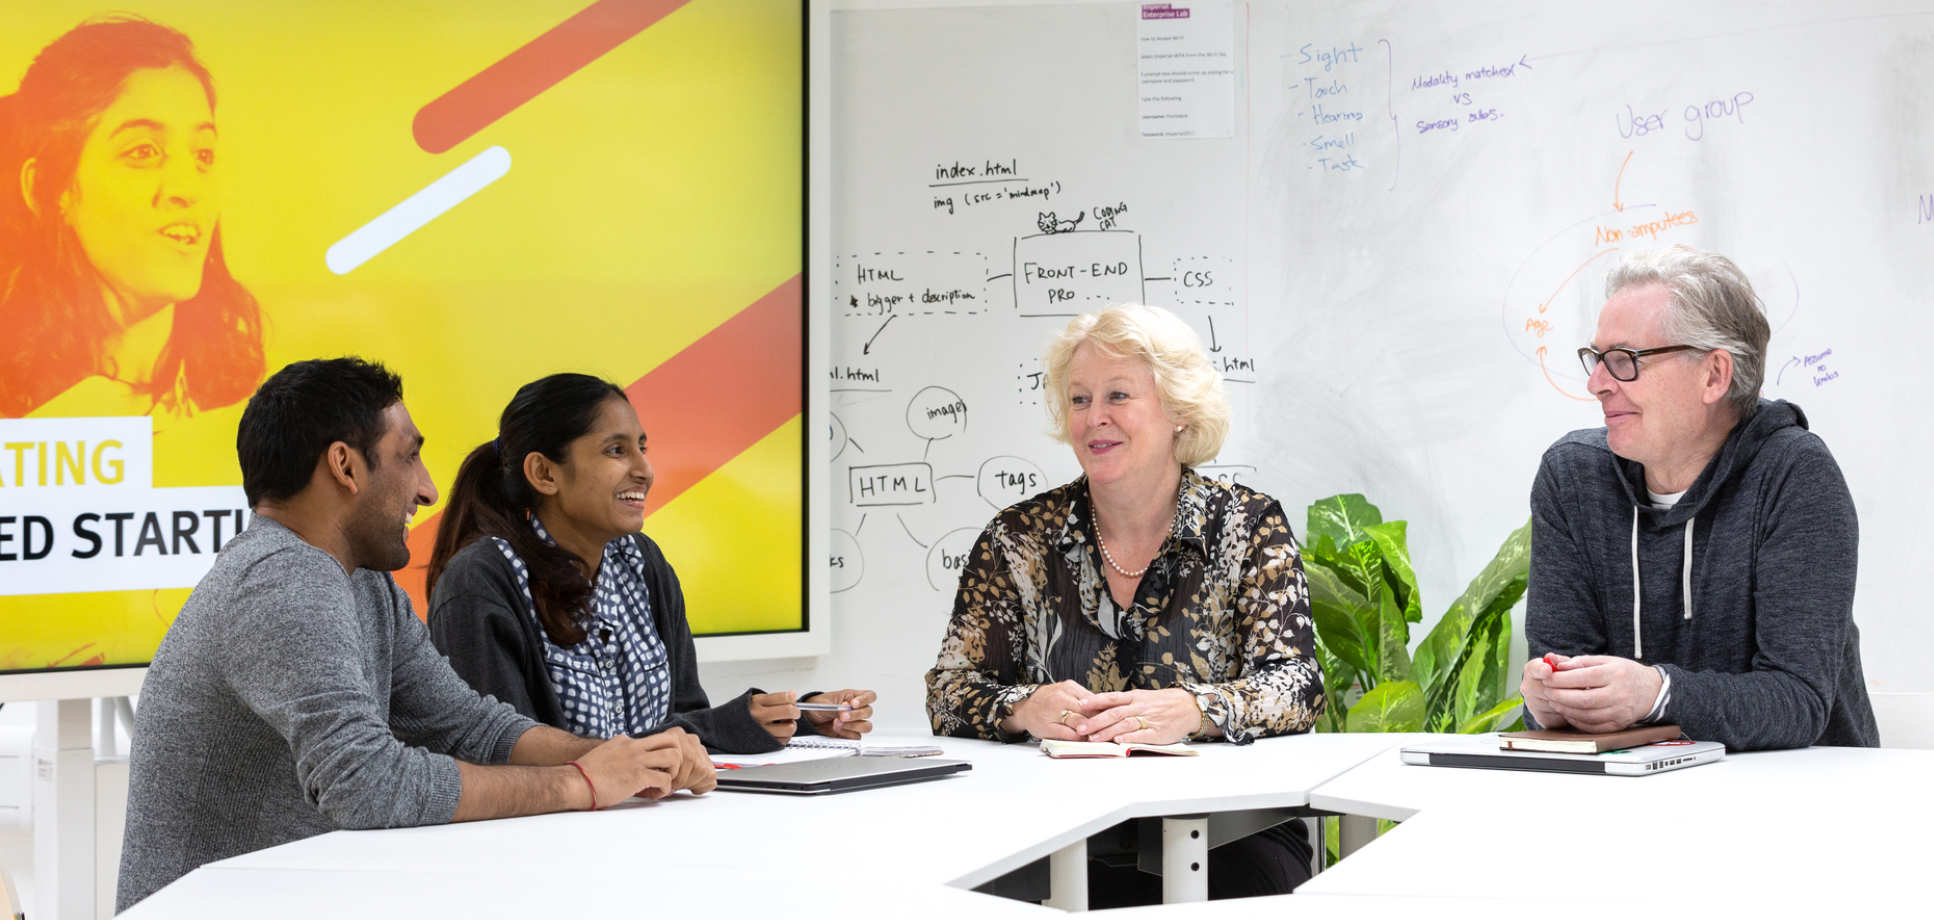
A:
<point x="1713" y="307"/>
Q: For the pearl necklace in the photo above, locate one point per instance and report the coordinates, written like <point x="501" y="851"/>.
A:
<point x="1116" y="565"/>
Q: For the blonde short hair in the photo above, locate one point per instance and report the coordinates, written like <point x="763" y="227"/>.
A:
<point x="1189" y="386"/>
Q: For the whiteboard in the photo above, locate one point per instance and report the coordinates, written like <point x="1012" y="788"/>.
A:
<point x="1393" y="259"/>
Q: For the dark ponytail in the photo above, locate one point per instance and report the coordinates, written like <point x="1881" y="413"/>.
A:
<point x="491" y="497"/>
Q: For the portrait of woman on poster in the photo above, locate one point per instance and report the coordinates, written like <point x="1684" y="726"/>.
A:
<point x="114" y="294"/>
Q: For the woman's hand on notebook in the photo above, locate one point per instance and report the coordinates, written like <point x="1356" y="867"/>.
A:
<point x="1050" y="712"/>
<point x="775" y="713"/>
<point x="1140" y="716"/>
<point x="849" y="724"/>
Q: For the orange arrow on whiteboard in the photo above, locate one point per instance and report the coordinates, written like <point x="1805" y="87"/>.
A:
<point x="1574" y="273"/>
<point x="1554" y="384"/>
<point x="1616" y="204"/>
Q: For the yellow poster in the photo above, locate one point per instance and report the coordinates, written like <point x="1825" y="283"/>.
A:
<point x="193" y="194"/>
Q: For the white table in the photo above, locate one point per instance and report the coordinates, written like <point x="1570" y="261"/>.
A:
<point x="1771" y="830"/>
<point x="1774" y="829"/>
<point x="928" y="841"/>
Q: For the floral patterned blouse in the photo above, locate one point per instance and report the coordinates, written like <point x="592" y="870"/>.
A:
<point x="1223" y="612"/>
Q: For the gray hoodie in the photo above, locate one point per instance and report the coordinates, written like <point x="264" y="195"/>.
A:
<point x="1742" y="591"/>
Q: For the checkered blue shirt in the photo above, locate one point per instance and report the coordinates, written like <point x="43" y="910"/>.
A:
<point x="616" y="681"/>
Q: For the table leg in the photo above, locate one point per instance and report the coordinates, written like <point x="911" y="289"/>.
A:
<point x="1185" y="859"/>
<point x="1319" y="848"/>
<point x="1068" y="877"/>
<point x="1353" y="832"/>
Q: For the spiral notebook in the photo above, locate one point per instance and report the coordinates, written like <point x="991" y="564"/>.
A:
<point x="883" y="747"/>
<point x="821" y="747"/>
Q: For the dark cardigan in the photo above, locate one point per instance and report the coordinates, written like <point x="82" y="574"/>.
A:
<point x="479" y="618"/>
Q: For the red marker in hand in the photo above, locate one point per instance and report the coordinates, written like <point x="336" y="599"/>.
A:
<point x="1551" y="660"/>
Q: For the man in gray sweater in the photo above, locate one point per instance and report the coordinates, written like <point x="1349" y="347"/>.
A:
<point x="297" y="692"/>
<point x="1693" y="560"/>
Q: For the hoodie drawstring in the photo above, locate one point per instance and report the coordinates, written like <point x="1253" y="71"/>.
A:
<point x="1685" y="582"/>
<point x="1638" y="642"/>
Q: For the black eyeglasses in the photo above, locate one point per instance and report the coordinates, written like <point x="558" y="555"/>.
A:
<point x="1622" y="362"/>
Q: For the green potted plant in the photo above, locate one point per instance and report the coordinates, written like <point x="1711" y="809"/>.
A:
<point x="1363" y="595"/>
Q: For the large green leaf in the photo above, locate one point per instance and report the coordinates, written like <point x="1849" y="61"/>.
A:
<point x="1505" y="671"/>
<point x="1392" y="542"/>
<point x="1376" y="639"/>
<point x="1341" y="518"/>
<point x="1487" y="720"/>
<point x="1392" y="637"/>
<point x="1397" y="706"/>
<point x="1339" y="614"/>
<point x="1338" y="678"/>
<point x="1354" y="587"/>
<point x="1358" y="566"/>
<point x="1456" y="696"/>
<point x="1469" y="690"/>
<point x="1501" y="582"/>
<point x="1482" y="678"/>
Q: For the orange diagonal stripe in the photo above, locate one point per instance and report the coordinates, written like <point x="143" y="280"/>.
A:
<point x="724" y="392"/>
<point x="707" y="404"/>
<point x="450" y="119"/>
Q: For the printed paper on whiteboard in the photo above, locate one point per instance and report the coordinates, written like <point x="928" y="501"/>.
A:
<point x="1187" y="58"/>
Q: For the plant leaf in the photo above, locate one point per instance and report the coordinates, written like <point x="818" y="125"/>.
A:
<point x="1339" y="613"/>
<point x="1468" y="696"/>
<point x="1437" y="718"/>
<point x="1501" y="664"/>
<point x="1341" y="518"/>
<point x="1487" y="720"/>
<point x="1493" y="675"/>
<point x="1392" y="541"/>
<point x="1397" y="706"/>
<point x="1349" y="620"/>
<point x="1443" y="650"/>
<point x="1357" y="566"/>
<point x="1392" y="638"/>
<point x="1338" y="679"/>
<point x="1483" y="677"/>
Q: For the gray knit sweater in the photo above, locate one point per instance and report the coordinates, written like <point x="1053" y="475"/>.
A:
<point x="1744" y="588"/>
<point x="290" y="699"/>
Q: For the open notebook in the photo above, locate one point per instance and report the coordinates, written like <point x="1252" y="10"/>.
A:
<point x="1078" y="749"/>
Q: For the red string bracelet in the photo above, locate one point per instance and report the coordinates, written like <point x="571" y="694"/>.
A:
<point x="587" y="782"/>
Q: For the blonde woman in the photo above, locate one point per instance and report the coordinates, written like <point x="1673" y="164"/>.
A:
<point x="1142" y="602"/>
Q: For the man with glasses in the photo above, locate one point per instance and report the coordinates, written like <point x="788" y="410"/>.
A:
<point x="1693" y="561"/>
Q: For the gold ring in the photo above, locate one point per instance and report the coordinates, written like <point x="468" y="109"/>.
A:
<point x="1065" y="713"/>
<point x="1142" y="722"/>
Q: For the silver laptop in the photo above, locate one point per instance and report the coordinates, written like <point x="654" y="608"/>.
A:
<point x="837" y="774"/>
<point x="1482" y="751"/>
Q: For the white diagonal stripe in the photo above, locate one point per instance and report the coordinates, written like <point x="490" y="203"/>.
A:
<point x="410" y="214"/>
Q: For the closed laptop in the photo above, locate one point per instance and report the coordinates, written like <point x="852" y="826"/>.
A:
<point x="839" y="774"/>
<point x="1482" y="751"/>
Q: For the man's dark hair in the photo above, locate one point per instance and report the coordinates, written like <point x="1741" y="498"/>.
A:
<point x="302" y="409"/>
